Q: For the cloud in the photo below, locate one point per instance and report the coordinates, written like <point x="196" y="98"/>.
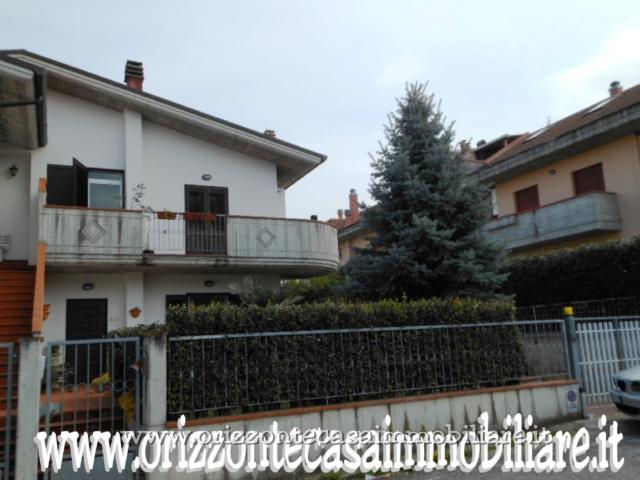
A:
<point x="618" y="58"/>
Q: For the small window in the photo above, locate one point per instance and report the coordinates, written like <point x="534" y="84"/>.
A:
<point x="527" y="199"/>
<point x="590" y="179"/>
<point x="494" y="202"/>
<point x="105" y="189"/>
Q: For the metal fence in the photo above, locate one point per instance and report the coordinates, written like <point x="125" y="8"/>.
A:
<point x="607" y="345"/>
<point x="92" y="385"/>
<point x="607" y="307"/>
<point x="225" y="374"/>
<point x="8" y="359"/>
<point x="183" y="233"/>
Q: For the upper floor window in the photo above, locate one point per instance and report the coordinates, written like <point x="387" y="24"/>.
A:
<point x="527" y="199"/>
<point x="84" y="187"/>
<point x="105" y="189"/>
<point x="589" y="179"/>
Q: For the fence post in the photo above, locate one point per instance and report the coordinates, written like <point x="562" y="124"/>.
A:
<point x="155" y="389"/>
<point x="573" y="352"/>
<point x="617" y="338"/>
<point x="28" y="411"/>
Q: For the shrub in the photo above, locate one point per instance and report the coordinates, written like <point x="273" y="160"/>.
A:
<point x="232" y="375"/>
<point x="317" y="289"/>
<point x="219" y="318"/>
<point x="590" y="272"/>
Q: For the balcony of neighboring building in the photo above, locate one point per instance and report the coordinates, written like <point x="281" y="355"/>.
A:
<point x="580" y="216"/>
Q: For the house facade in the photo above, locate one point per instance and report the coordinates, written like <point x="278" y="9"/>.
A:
<point x="352" y="233"/>
<point x="132" y="203"/>
<point x="572" y="182"/>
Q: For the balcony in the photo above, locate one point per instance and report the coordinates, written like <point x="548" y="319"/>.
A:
<point x="588" y="214"/>
<point x="187" y="241"/>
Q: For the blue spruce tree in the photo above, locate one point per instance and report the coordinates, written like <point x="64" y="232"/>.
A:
<point x="428" y="214"/>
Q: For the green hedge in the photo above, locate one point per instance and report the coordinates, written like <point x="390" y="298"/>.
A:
<point x="226" y="318"/>
<point x="596" y="271"/>
<point x="257" y="373"/>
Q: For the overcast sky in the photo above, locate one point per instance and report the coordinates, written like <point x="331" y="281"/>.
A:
<point x="325" y="74"/>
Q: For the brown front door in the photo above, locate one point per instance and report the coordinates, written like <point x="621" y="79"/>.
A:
<point x="86" y="319"/>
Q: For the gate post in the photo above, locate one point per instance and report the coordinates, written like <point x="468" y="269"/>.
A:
<point x="573" y="355"/>
<point x="28" y="412"/>
<point x="155" y="389"/>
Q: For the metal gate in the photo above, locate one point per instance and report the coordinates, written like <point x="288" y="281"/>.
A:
<point x="607" y="345"/>
<point x="7" y="362"/>
<point x="91" y="385"/>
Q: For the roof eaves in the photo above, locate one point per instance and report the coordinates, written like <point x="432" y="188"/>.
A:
<point x="605" y="129"/>
<point x="149" y="96"/>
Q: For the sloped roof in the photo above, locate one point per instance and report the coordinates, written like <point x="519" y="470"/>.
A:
<point x="293" y="161"/>
<point x="606" y="116"/>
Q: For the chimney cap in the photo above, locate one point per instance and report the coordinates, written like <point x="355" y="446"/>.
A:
<point x="615" y="88"/>
<point x="270" y="133"/>
<point x="133" y="69"/>
<point x="353" y="192"/>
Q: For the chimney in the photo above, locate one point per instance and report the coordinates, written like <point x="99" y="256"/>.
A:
<point x="134" y="74"/>
<point x="314" y="218"/>
<point x="270" y="133"/>
<point x="353" y="205"/>
<point x="615" y="88"/>
<point x="340" y="213"/>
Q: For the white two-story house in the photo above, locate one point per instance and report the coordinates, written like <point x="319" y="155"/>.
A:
<point x="130" y="202"/>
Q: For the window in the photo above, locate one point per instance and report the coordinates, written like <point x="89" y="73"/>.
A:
<point x="590" y="179"/>
<point x="527" y="199"/>
<point x="105" y="189"/>
<point x="84" y="187"/>
<point x="494" y="202"/>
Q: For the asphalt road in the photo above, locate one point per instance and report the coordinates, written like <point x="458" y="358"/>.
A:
<point x="629" y="450"/>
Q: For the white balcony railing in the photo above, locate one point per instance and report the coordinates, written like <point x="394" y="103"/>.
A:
<point x="114" y="236"/>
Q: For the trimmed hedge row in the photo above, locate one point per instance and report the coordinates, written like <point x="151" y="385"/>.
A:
<point x="226" y="318"/>
<point x="595" y="272"/>
<point x="231" y="375"/>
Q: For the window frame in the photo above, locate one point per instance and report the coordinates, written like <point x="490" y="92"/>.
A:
<point x="573" y="179"/>
<point x="515" y="199"/>
<point x="106" y="182"/>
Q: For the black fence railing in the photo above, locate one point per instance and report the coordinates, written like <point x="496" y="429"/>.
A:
<point x="215" y="375"/>
<point x="185" y="233"/>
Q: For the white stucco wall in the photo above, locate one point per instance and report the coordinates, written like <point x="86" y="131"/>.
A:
<point x="61" y="287"/>
<point x="124" y="291"/>
<point x="164" y="160"/>
<point x="75" y="129"/>
<point x="173" y="160"/>
<point x="14" y="205"/>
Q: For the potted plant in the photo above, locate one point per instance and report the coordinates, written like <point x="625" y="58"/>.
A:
<point x="200" y="217"/>
<point x="167" y="215"/>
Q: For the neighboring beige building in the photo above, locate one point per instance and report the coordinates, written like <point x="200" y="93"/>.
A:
<point x="574" y="181"/>
<point x="352" y="235"/>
